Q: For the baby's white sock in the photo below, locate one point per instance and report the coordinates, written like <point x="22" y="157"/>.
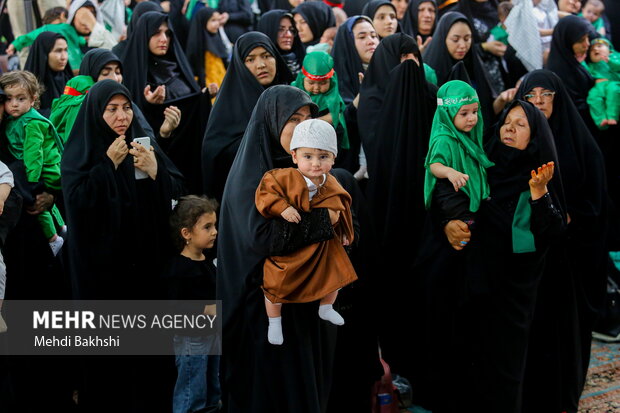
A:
<point x="327" y="312"/>
<point x="274" y="334"/>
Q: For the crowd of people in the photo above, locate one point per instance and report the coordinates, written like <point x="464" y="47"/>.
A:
<point x="430" y="187"/>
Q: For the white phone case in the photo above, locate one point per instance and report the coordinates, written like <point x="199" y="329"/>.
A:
<point x="146" y="142"/>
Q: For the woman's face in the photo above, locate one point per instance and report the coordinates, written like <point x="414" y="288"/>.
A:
<point x="401" y="7"/>
<point x="385" y="21"/>
<point x="118" y="114"/>
<point x="58" y="57"/>
<point x="515" y="132"/>
<point x="213" y="24"/>
<point x="542" y="99"/>
<point x="286" y="34"/>
<point x="581" y="46"/>
<point x="160" y="41"/>
<point x="262" y="65"/>
<point x="302" y="114"/>
<point x="569" y="6"/>
<point x="366" y="40"/>
<point x="458" y="40"/>
<point x="305" y="34"/>
<point x="426" y="17"/>
<point x="112" y="71"/>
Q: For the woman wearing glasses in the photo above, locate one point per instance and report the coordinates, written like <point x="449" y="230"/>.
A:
<point x="279" y="26"/>
<point x="573" y="285"/>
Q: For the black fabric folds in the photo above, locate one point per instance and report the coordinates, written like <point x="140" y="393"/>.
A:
<point x="563" y="63"/>
<point x="410" y="21"/>
<point x="54" y="82"/>
<point x="436" y="56"/>
<point x="239" y="92"/>
<point x="373" y="90"/>
<point x="319" y="17"/>
<point x="304" y="362"/>
<point x="138" y="11"/>
<point x="200" y="40"/>
<point x="270" y="24"/>
<point x="240" y="17"/>
<point x="116" y="221"/>
<point x="347" y="62"/>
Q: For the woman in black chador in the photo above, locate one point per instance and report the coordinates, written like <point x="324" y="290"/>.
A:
<point x="257" y="376"/>
<point x="255" y="65"/>
<point x="318" y="17"/>
<point x="515" y="227"/>
<point x="411" y="22"/>
<point x="452" y="61"/>
<point x="158" y="75"/>
<point x="274" y="24"/>
<point x="574" y="284"/>
<point x="48" y="61"/>
<point x="138" y="11"/>
<point x="119" y="236"/>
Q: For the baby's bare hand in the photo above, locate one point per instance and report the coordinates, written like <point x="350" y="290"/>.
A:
<point x="291" y="215"/>
<point x="458" y="179"/>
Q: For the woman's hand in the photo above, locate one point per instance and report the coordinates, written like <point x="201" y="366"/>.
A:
<point x="422" y="45"/>
<point x="291" y="215"/>
<point x="144" y="159"/>
<point x="117" y="151"/>
<point x="213" y="89"/>
<point x="458" y="234"/>
<point x="157" y="97"/>
<point x="495" y="48"/>
<point x="172" y="118"/>
<point x="540" y="179"/>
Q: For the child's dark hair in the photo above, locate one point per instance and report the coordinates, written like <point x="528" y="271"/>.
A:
<point x="187" y="213"/>
<point x="503" y="9"/>
<point x="53" y="14"/>
<point x="26" y="80"/>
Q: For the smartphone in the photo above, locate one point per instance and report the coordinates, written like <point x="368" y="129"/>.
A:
<point x="146" y="142"/>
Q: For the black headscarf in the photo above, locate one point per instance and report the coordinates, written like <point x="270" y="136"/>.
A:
<point x="239" y="92"/>
<point x="240" y="20"/>
<point x="243" y="244"/>
<point x="95" y="60"/>
<point x="319" y="17"/>
<point x="145" y="68"/>
<point x="436" y="56"/>
<point x="200" y="40"/>
<point x="370" y="9"/>
<point x="347" y="62"/>
<point x="373" y="90"/>
<point x="37" y="64"/>
<point x="511" y="173"/>
<point x="138" y="11"/>
<point x="582" y="161"/>
<point x="482" y="15"/>
<point x="270" y="24"/>
<point x="115" y="220"/>
<point x="410" y="20"/>
<point x="562" y="60"/>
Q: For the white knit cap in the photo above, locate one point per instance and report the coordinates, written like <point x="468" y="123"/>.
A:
<point x="315" y="134"/>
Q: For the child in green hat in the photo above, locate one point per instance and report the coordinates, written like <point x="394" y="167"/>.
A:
<point x="603" y="63"/>
<point x="318" y="78"/>
<point x="455" y="148"/>
<point x="66" y="107"/>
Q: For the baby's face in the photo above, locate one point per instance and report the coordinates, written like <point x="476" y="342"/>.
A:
<point x="592" y="13"/>
<point x="316" y="87"/>
<point x="313" y="163"/>
<point x="599" y="52"/>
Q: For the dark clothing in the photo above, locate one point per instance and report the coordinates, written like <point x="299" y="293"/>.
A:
<point x="200" y="41"/>
<point x="270" y="24"/>
<point x="37" y="63"/>
<point x="347" y="62"/>
<point x="239" y="18"/>
<point x="138" y="11"/>
<point x="319" y="17"/>
<point x="258" y="376"/>
<point x="410" y="20"/>
<point x="240" y="90"/>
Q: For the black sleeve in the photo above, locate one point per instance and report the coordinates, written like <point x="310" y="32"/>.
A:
<point x="448" y="204"/>
<point x="546" y="222"/>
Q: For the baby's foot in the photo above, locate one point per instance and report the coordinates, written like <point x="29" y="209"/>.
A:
<point x="327" y="313"/>
<point x="274" y="333"/>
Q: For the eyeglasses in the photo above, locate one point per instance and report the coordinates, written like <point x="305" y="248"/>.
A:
<point x="543" y="95"/>
<point x="282" y="31"/>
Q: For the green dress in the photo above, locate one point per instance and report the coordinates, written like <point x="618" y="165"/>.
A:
<point x="450" y="147"/>
<point x="33" y="139"/>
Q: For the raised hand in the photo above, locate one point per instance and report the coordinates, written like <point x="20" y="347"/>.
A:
<point x="540" y="179"/>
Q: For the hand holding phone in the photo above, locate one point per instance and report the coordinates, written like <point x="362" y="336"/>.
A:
<point x="146" y="142"/>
